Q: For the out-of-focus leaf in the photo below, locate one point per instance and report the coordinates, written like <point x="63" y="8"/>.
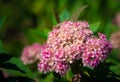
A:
<point x="37" y="6"/>
<point x="19" y="68"/>
<point x="15" y="73"/>
<point x="115" y="69"/>
<point x="14" y="66"/>
<point x="1" y="44"/>
<point x="49" y="78"/>
<point x="37" y="35"/>
<point x="65" y="80"/>
<point x="86" y="73"/>
<point x="1" y="48"/>
<point x="69" y="76"/>
<point x="42" y="34"/>
<point x="77" y="12"/>
<point x="65" y="15"/>
<point x="2" y="19"/>
<point x="95" y="26"/>
<point x="53" y="19"/>
<point x="62" y="3"/>
<point x="109" y="29"/>
<point x="18" y="79"/>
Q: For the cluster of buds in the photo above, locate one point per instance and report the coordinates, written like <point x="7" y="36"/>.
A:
<point x="70" y="41"/>
<point x="30" y="53"/>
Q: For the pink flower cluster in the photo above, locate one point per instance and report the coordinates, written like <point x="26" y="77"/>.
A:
<point x="31" y="53"/>
<point x="70" y="41"/>
<point x="96" y="50"/>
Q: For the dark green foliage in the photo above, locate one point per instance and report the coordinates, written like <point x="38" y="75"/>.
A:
<point x="2" y="19"/>
<point x="14" y="67"/>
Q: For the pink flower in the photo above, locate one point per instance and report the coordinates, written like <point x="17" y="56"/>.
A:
<point x="50" y="62"/>
<point x="70" y="41"/>
<point x="96" y="50"/>
<point x="68" y="37"/>
<point x="31" y="53"/>
<point x="61" y="67"/>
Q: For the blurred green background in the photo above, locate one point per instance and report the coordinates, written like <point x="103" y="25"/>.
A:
<point x="29" y="21"/>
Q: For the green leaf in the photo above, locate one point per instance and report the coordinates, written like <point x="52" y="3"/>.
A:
<point x="42" y="34"/>
<point x="53" y="19"/>
<point x="65" y="80"/>
<point x="14" y="72"/>
<point x="49" y="78"/>
<point x="16" y="76"/>
<point x="2" y="19"/>
<point x="115" y="69"/>
<point x="37" y="35"/>
<point x="86" y="73"/>
<point x="65" y="15"/>
<point x="95" y="26"/>
<point x="109" y="29"/>
<point x="69" y="75"/>
<point x="19" y="68"/>
<point x="77" y="12"/>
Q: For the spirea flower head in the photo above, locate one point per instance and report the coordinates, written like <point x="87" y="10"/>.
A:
<point x="67" y="38"/>
<point x="96" y="50"/>
<point x="30" y="53"/>
<point x="70" y="41"/>
<point x="50" y="62"/>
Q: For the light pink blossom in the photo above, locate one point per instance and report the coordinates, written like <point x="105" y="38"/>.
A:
<point x="31" y="53"/>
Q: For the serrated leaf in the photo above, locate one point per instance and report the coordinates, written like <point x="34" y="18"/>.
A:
<point x="2" y="19"/>
<point x="14" y="72"/>
<point x="19" y="67"/>
<point x="15" y="76"/>
<point x="95" y="26"/>
<point x="65" y="15"/>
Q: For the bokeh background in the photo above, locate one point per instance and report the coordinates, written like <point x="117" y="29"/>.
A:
<point x="29" y="21"/>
